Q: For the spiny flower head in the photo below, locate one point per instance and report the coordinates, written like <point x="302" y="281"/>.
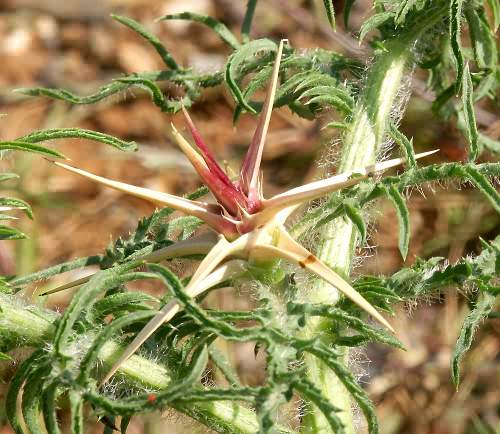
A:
<point x="249" y="226"/>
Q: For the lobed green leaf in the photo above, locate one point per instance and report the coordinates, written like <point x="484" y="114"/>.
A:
<point x="235" y="63"/>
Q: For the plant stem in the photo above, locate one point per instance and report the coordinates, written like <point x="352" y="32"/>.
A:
<point x="31" y="326"/>
<point x="362" y="142"/>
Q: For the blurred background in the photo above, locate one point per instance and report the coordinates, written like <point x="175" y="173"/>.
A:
<point x="74" y="44"/>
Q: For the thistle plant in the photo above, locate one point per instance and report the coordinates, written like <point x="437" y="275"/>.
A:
<point x="83" y="356"/>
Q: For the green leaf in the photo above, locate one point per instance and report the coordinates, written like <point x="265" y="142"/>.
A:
<point x="15" y="386"/>
<point x="49" y="409"/>
<point x="218" y="27"/>
<point x="30" y="403"/>
<point x="456" y="45"/>
<point x="331" y="100"/>
<point x="373" y="22"/>
<point x="333" y="95"/>
<point x="65" y="95"/>
<point x="29" y="147"/>
<point x="469" y="117"/>
<point x="481" y="310"/>
<point x="247" y="21"/>
<point x="7" y="233"/>
<point x="236" y="62"/>
<point x="152" y="39"/>
<point x="369" y="332"/>
<point x="330" y="12"/>
<point x="354" y="214"/>
<point x="338" y="125"/>
<point x="196" y="368"/>
<point x="79" y="133"/>
<point x="403" y="214"/>
<point x="405" y="144"/>
<point x="483" y="185"/>
<point x="311" y="393"/>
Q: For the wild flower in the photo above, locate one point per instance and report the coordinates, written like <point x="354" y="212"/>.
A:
<point x="248" y="225"/>
<point x="307" y="333"/>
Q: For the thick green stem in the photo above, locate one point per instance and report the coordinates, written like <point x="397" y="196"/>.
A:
<point x="31" y="326"/>
<point x="362" y="142"/>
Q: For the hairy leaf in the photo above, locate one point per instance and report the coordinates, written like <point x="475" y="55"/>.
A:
<point x="355" y="216"/>
<point x="482" y="308"/>
<point x="79" y="133"/>
<point x="455" y="34"/>
<point x="405" y="144"/>
<point x="29" y="147"/>
<point x="403" y="214"/>
<point x="469" y="115"/>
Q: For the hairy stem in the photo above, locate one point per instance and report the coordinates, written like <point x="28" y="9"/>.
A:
<point x="362" y="142"/>
<point x="31" y="326"/>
